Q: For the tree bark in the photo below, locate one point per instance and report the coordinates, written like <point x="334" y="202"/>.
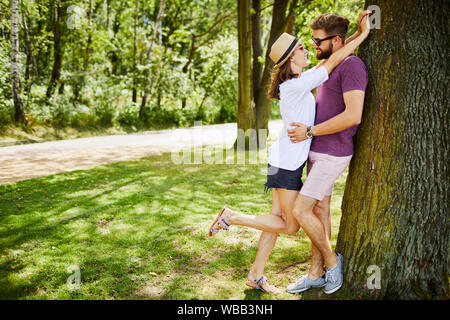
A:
<point x="57" y="47"/>
<point x="19" y="114"/>
<point x="395" y="205"/>
<point x="246" y="105"/>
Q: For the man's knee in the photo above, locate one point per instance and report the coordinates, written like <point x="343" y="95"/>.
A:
<point x="298" y="214"/>
<point x="320" y="211"/>
<point x="302" y="208"/>
<point x="322" y="208"/>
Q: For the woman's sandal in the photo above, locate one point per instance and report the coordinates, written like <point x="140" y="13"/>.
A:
<point x="251" y="284"/>
<point x="268" y="288"/>
<point x="219" y="224"/>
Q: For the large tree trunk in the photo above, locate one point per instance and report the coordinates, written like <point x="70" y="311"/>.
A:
<point x="19" y="114"/>
<point x="395" y="207"/>
<point x="246" y="106"/>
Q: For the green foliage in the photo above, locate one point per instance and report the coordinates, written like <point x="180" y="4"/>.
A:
<point x="6" y="106"/>
<point x="128" y="115"/>
<point x="193" y="70"/>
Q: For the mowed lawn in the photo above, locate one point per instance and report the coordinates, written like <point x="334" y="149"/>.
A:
<point x="138" y="230"/>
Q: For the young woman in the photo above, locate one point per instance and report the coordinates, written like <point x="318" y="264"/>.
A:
<point x="286" y="159"/>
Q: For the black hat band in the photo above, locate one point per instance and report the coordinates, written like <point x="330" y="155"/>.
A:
<point x="286" y="53"/>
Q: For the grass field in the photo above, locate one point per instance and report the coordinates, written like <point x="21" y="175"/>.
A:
<point x="138" y="230"/>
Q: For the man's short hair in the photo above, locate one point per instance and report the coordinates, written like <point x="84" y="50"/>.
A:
<point x="332" y="23"/>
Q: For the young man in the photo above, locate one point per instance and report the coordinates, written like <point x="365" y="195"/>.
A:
<point x="339" y="105"/>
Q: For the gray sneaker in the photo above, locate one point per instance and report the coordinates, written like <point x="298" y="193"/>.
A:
<point x="304" y="283"/>
<point x="334" y="277"/>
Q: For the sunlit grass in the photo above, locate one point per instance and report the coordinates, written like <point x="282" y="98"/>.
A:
<point x="138" y="230"/>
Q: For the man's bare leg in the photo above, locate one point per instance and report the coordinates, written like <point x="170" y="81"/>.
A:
<point x="314" y="228"/>
<point x="321" y="211"/>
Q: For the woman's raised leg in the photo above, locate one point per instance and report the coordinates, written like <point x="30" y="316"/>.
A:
<point x="270" y="222"/>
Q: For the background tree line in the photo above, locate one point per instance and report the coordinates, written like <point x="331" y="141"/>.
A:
<point x="142" y="63"/>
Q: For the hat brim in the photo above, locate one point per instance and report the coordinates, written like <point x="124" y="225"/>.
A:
<point x="279" y="64"/>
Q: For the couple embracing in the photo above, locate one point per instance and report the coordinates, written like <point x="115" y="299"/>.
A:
<point x="317" y="133"/>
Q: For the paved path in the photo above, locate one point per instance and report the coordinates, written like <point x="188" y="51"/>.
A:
<point x="41" y="159"/>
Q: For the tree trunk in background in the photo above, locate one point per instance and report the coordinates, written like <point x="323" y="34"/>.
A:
<point x="135" y="73"/>
<point x="262" y="103"/>
<point x="246" y="106"/>
<point x="19" y="114"/>
<point x="57" y="47"/>
<point x="292" y="16"/>
<point x="89" y="40"/>
<point x="395" y="207"/>
<point x="159" y="17"/>
<point x="257" y="45"/>
<point x="31" y="61"/>
<point x="78" y="86"/>
<point x="116" y="29"/>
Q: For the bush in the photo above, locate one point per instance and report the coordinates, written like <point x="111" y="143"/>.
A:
<point x="104" y="114"/>
<point x="6" y="112"/>
<point x="127" y="115"/>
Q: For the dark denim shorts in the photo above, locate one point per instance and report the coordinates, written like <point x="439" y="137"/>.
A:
<point x="284" y="179"/>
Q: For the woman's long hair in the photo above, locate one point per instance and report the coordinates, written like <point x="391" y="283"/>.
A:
<point x="279" y="76"/>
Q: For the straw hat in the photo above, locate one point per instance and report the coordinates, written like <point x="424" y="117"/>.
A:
<point x="282" y="49"/>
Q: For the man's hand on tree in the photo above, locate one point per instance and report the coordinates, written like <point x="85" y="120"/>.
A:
<point x="360" y="17"/>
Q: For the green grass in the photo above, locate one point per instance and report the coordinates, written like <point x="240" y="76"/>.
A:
<point x="138" y="230"/>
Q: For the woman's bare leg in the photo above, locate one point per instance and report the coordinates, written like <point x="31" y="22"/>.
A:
<point x="270" y="223"/>
<point x="282" y="205"/>
<point x="266" y="243"/>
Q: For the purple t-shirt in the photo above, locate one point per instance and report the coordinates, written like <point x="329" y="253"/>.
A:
<point x="350" y="74"/>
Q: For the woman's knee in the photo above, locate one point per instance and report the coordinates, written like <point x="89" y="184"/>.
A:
<point x="291" y="226"/>
<point x="292" y="229"/>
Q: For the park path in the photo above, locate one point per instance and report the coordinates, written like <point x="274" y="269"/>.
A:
<point x="42" y="159"/>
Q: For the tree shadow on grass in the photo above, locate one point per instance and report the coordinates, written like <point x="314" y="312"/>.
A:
<point x="27" y="218"/>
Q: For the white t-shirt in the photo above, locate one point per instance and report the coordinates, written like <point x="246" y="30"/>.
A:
<point x="297" y="104"/>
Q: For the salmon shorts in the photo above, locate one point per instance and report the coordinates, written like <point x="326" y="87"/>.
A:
<point x="322" y="172"/>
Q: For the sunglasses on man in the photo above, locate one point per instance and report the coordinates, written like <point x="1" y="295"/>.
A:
<point x="318" y="41"/>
